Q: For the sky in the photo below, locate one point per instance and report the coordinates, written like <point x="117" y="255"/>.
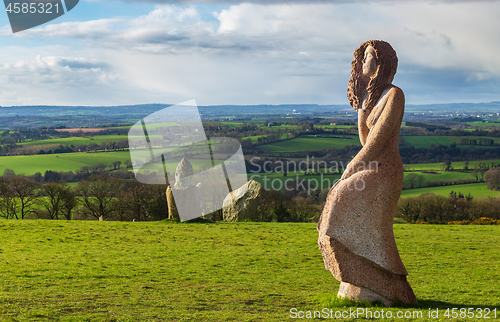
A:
<point x="256" y="52"/>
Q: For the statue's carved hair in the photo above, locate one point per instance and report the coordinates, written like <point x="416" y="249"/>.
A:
<point x="359" y="84"/>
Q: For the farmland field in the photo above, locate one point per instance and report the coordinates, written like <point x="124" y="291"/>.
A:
<point x="30" y="165"/>
<point x="436" y="177"/>
<point x="276" y="181"/>
<point x="309" y="142"/>
<point x="477" y="190"/>
<point x="256" y="137"/>
<point x="424" y="141"/>
<point x="485" y="123"/>
<point x="161" y="271"/>
<point x="98" y="139"/>
<point x="455" y="165"/>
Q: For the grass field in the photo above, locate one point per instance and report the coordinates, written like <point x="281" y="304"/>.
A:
<point x="477" y="190"/>
<point x="161" y="271"/>
<point x="98" y="139"/>
<point x="455" y="165"/>
<point x="256" y="137"/>
<point x="276" y="181"/>
<point x="483" y="124"/>
<point x="30" y="165"/>
<point x="443" y="175"/>
<point x="425" y="141"/>
<point x="309" y="142"/>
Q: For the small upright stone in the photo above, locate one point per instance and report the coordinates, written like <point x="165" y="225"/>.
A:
<point x="185" y="192"/>
<point x="241" y="203"/>
<point x="183" y="174"/>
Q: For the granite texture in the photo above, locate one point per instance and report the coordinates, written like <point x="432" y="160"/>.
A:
<point x="190" y="195"/>
<point x="241" y="203"/>
<point x="355" y="228"/>
<point x="172" y="208"/>
<point x="354" y="292"/>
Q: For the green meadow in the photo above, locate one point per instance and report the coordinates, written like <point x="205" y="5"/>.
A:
<point x="456" y="165"/>
<point x="424" y="141"/>
<point x="163" y="271"/>
<point x="309" y="142"/>
<point x="253" y="138"/>
<point x="485" y="123"/>
<point x="30" y="165"/>
<point x="276" y="181"/>
<point x="441" y="176"/>
<point x="98" y="139"/>
<point x="477" y="190"/>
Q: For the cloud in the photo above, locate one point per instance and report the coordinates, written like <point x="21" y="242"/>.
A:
<point x="274" y="53"/>
<point x="274" y="2"/>
<point x="59" y="70"/>
<point x="55" y="80"/>
<point x="94" y="29"/>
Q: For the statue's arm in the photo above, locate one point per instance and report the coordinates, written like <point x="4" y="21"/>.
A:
<point x="362" y="127"/>
<point x="389" y="120"/>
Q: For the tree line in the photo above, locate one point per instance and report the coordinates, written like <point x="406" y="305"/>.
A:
<point x="101" y="197"/>
<point x="436" y="209"/>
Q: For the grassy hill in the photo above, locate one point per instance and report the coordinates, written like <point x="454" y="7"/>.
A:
<point x="477" y="190"/>
<point x="98" y="139"/>
<point x="310" y="142"/>
<point x="30" y="165"/>
<point x="161" y="271"/>
<point x="420" y="141"/>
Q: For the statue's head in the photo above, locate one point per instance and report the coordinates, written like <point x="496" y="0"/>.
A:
<point x="183" y="174"/>
<point x="383" y="55"/>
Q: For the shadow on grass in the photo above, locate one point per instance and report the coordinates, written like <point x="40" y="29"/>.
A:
<point x="192" y="221"/>
<point x="332" y="301"/>
<point x="425" y="304"/>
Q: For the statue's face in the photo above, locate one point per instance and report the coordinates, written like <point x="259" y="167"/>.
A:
<point x="369" y="62"/>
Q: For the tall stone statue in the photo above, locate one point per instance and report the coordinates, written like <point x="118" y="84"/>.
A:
<point x="185" y="191"/>
<point x="356" y="236"/>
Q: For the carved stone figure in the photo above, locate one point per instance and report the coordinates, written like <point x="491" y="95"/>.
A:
<point x="356" y="236"/>
<point x="184" y="191"/>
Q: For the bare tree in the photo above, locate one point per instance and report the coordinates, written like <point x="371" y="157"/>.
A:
<point x="492" y="176"/>
<point x="8" y="203"/>
<point x="19" y="197"/>
<point x="142" y="202"/>
<point x="98" y="194"/>
<point x="59" y="200"/>
<point x="412" y="178"/>
<point x="51" y="202"/>
<point x="69" y="202"/>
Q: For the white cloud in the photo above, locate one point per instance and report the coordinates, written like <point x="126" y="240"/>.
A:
<point x="274" y="53"/>
<point x="56" y="80"/>
<point x="94" y="29"/>
<point x="61" y="70"/>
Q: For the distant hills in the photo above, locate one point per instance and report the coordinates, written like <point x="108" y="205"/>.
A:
<point x="236" y="110"/>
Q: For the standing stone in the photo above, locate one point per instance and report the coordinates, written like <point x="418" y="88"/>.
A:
<point x="185" y="191"/>
<point x="241" y="203"/>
